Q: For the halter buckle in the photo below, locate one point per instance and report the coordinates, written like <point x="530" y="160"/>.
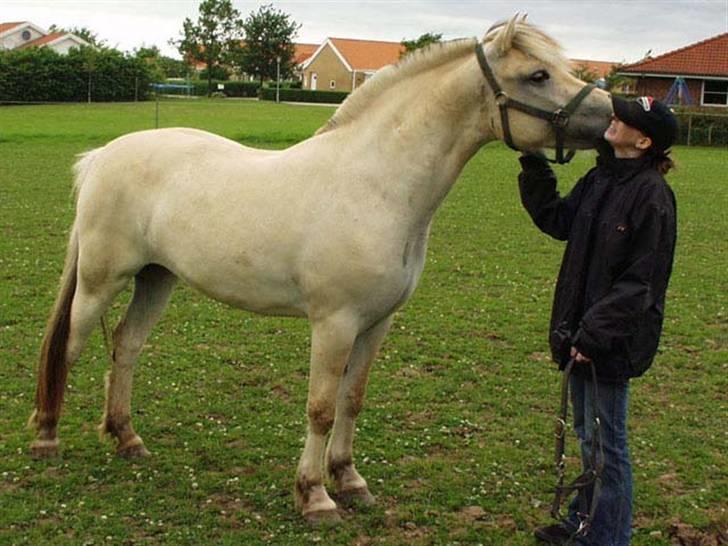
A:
<point x="501" y="98"/>
<point x="560" y="118"/>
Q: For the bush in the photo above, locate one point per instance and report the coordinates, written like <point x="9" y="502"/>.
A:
<point x="218" y="73"/>
<point x="705" y="128"/>
<point x="232" y="89"/>
<point x="41" y="74"/>
<point x="305" y="95"/>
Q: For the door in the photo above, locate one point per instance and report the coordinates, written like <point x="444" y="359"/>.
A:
<point x="314" y="81"/>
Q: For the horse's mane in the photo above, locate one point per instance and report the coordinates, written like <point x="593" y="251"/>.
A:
<point x="418" y="61"/>
<point x="527" y="38"/>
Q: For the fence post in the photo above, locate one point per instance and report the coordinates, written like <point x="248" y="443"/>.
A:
<point x="690" y="127"/>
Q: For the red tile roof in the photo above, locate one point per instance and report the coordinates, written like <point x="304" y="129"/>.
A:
<point x="600" y="68"/>
<point x="303" y="52"/>
<point x="43" y="40"/>
<point x="368" y="54"/>
<point x="8" y="26"/>
<point x="706" y="58"/>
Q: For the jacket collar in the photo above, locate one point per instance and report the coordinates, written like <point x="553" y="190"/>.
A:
<point x="622" y="169"/>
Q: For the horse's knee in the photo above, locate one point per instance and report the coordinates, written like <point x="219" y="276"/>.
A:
<point x="321" y="416"/>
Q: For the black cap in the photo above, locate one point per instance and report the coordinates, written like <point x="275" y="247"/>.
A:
<point x="650" y="116"/>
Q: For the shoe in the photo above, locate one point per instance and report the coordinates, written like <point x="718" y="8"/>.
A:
<point x="558" y="533"/>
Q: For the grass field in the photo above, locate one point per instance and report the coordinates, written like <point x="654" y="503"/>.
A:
<point x="455" y="439"/>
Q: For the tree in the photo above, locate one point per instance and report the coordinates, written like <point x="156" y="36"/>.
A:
<point x="82" y="32"/>
<point x="585" y="74"/>
<point x="614" y="80"/>
<point x="214" y="38"/>
<point x="269" y="35"/>
<point x="418" y="43"/>
<point x="161" y="67"/>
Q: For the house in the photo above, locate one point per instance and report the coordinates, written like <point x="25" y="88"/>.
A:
<point x="600" y="69"/>
<point x="26" y="34"/>
<point x="342" y="64"/>
<point x="301" y="53"/>
<point x="696" y="74"/>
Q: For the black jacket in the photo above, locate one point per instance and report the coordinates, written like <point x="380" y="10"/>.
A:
<point x="620" y="224"/>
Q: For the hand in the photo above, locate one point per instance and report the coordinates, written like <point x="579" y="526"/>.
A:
<point x="579" y="357"/>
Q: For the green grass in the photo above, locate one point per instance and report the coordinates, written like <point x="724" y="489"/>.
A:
<point x="455" y="439"/>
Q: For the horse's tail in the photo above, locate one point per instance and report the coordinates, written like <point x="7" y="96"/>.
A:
<point x="53" y="365"/>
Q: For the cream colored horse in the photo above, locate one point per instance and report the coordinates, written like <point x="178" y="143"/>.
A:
<point x="333" y="229"/>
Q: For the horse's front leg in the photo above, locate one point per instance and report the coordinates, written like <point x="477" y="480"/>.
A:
<point x="331" y="343"/>
<point x="350" y="486"/>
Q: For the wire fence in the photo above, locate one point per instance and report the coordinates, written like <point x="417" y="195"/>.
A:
<point x="695" y="128"/>
<point x="702" y="129"/>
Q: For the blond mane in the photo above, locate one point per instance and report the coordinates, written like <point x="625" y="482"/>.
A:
<point x="419" y="61"/>
<point x="527" y="38"/>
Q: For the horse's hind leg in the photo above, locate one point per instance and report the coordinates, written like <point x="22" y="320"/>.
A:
<point x="349" y="485"/>
<point x="152" y="289"/>
<point x="331" y="343"/>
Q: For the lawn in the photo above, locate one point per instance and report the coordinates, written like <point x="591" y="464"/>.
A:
<point x="455" y="439"/>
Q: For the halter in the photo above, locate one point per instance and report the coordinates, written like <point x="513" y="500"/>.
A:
<point x="558" y="119"/>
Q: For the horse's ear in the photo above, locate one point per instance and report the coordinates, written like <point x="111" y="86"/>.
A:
<point x="504" y="40"/>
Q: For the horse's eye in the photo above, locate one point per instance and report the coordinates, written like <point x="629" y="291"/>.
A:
<point x="539" y="76"/>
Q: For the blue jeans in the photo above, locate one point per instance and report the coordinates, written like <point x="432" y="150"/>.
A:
<point x="612" y="524"/>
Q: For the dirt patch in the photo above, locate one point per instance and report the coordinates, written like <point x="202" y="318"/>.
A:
<point x="682" y="534"/>
<point x="281" y="392"/>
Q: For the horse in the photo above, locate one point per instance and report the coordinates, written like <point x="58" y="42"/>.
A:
<point x="333" y="229"/>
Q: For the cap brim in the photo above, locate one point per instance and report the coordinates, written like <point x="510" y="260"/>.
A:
<point x="625" y="110"/>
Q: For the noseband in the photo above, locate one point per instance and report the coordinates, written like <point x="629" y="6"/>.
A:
<point x="559" y="119"/>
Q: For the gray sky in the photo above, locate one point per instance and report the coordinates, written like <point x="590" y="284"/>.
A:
<point x="622" y="30"/>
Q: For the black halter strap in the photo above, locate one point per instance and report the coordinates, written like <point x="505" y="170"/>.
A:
<point x="559" y="119"/>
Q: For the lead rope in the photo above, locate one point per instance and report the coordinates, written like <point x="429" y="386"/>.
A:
<point x="592" y="476"/>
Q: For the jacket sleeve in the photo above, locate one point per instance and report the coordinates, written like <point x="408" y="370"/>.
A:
<point x="551" y="213"/>
<point x="641" y="282"/>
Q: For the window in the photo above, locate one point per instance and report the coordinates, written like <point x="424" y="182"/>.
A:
<point x="715" y="92"/>
<point x="332" y="84"/>
<point x="25" y="35"/>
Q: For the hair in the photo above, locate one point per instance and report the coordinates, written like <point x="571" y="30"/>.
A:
<point x="413" y="63"/>
<point x="660" y="160"/>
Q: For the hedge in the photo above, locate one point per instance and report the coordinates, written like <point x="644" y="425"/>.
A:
<point x="41" y="74"/>
<point x="304" y="95"/>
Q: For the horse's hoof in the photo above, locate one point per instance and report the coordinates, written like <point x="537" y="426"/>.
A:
<point x="44" y="449"/>
<point x="323" y="518"/>
<point x="352" y="497"/>
<point x="135" y="451"/>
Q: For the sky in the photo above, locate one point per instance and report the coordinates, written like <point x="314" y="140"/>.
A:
<point x="617" y="31"/>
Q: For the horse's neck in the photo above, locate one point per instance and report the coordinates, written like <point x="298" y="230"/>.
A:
<point x="424" y="131"/>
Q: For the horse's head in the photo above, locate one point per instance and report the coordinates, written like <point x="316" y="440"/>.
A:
<point x="540" y="101"/>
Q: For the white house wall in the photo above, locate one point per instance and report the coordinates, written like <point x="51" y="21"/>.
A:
<point x="14" y="37"/>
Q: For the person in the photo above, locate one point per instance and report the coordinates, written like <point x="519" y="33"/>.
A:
<point x="619" y="222"/>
